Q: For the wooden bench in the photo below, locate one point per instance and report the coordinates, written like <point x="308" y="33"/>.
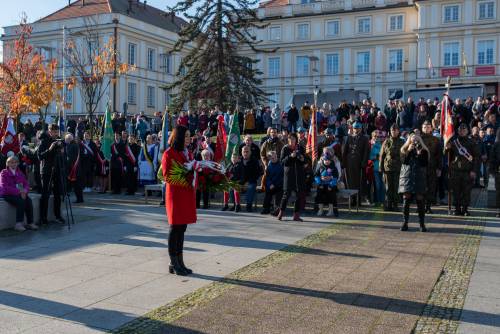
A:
<point x="151" y="187"/>
<point x="8" y="216"/>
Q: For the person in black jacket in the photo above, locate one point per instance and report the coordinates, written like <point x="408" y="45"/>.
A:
<point x="49" y="151"/>
<point x="251" y="173"/>
<point x="293" y="118"/>
<point x="88" y="161"/>
<point x="412" y="179"/>
<point x="73" y="155"/>
<point x="293" y="160"/>
<point x="117" y="164"/>
<point x="274" y="184"/>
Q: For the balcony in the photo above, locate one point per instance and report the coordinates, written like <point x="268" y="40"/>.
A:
<point x="325" y="7"/>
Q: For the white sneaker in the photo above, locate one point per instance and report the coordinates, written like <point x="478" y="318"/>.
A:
<point x="320" y="210"/>
<point x="33" y="227"/>
<point x="20" y="227"/>
<point x="330" y="210"/>
<point x="87" y="190"/>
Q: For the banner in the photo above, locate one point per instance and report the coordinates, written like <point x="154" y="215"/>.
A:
<point x="234" y="140"/>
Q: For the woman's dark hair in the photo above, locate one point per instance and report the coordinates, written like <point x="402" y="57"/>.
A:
<point x="293" y="135"/>
<point x="177" y="138"/>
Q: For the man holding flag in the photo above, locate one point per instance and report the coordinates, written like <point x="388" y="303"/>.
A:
<point x="463" y="159"/>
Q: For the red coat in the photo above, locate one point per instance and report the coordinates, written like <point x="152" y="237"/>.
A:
<point x="180" y="201"/>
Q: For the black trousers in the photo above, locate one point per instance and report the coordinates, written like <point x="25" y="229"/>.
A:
<point x="176" y="239"/>
<point x="300" y="200"/>
<point x="77" y="187"/>
<point x="116" y="180"/>
<point x="326" y="196"/>
<point x="51" y="184"/>
<point x="131" y="180"/>
<point x="23" y="206"/>
<point x="206" y="198"/>
<point x="87" y="173"/>
<point x="277" y="193"/>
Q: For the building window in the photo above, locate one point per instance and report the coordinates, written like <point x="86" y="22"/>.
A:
<point x="151" y="59"/>
<point x="332" y="64"/>
<point x="451" y="13"/>
<point x="396" y="23"/>
<point x="486" y="10"/>
<point x="132" y="93"/>
<point x="303" y="31"/>
<point x="364" y="25"/>
<point x="69" y="96"/>
<point x="151" y="97"/>
<point x="485" y="52"/>
<point x="274" y="67"/>
<point x="167" y="63"/>
<point x="275" y="33"/>
<point x="303" y="66"/>
<point x="396" y="60"/>
<point x="363" y="62"/>
<point x="132" y="54"/>
<point x="333" y="28"/>
<point x="451" y="53"/>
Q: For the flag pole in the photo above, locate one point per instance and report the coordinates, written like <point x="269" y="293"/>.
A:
<point x="448" y="86"/>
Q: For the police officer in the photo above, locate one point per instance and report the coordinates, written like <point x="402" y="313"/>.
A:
<point x="434" y="166"/>
<point x="390" y="167"/>
<point x="464" y="157"/>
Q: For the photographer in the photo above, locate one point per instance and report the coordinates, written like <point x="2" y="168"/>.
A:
<point x="412" y="184"/>
<point x="48" y="150"/>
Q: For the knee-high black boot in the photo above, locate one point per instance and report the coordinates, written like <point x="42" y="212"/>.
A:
<point x="421" y="215"/>
<point x="181" y="256"/>
<point x="173" y="242"/>
<point x="406" y="214"/>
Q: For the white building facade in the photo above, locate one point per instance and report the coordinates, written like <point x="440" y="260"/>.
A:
<point x="145" y="44"/>
<point x="374" y="46"/>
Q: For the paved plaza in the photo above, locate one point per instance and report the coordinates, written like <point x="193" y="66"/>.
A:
<point x="252" y="274"/>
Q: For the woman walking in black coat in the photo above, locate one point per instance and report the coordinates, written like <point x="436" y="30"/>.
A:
<point x="412" y="184"/>
<point x="293" y="160"/>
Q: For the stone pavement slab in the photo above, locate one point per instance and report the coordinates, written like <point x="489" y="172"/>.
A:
<point x="112" y="266"/>
<point x="481" y="313"/>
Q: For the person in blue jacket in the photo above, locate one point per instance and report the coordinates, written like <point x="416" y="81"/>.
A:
<point x="274" y="184"/>
<point x="326" y="177"/>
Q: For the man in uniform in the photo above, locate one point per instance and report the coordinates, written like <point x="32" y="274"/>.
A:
<point x="390" y="167"/>
<point x="464" y="157"/>
<point x="88" y="162"/>
<point x="355" y="158"/>
<point x="435" y="163"/>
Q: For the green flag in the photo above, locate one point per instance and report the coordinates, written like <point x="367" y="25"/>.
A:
<point x="234" y="140"/>
<point x="107" y="137"/>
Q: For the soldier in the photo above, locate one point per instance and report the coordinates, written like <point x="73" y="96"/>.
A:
<point x="494" y="160"/>
<point x="464" y="157"/>
<point x="355" y="158"/>
<point x="390" y="167"/>
<point x="434" y="166"/>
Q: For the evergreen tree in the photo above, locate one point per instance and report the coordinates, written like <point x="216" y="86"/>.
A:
<point x="212" y="68"/>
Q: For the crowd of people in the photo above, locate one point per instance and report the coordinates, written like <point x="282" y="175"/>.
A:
<point x="392" y="155"/>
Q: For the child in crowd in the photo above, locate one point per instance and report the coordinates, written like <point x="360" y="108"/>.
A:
<point x="274" y="184"/>
<point x="205" y="155"/>
<point x="326" y="176"/>
<point x="234" y="172"/>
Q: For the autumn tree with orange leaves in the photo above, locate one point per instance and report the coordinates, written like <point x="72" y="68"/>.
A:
<point x="93" y="64"/>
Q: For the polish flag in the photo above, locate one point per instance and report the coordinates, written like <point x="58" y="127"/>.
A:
<point x="10" y="143"/>
<point x="447" y="130"/>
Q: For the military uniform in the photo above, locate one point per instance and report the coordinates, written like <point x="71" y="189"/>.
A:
<point x="390" y="166"/>
<point x="464" y="157"/>
<point x="435" y="163"/>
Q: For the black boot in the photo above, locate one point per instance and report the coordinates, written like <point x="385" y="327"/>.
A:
<point x="421" y="215"/>
<point x="458" y="211"/>
<point x="395" y="207"/>
<point x="466" y="212"/>
<point x="225" y="208"/>
<point x="181" y="262"/>
<point x="406" y="214"/>
<point x="175" y="267"/>
<point x="238" y="208"/>
<point x="428" y="208"/>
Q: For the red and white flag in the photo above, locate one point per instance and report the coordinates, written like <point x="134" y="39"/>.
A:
<point x="220" y="146"/>
<point x="312" y="137"/>
<point x="447" y="130"/>
<point x="10" y="142"/>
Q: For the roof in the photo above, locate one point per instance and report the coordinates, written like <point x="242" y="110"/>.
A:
<point x="134" y="9"/>
<point x="274" y="3"/>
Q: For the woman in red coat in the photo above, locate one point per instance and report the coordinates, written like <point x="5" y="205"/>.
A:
<point x="180" y="200"/>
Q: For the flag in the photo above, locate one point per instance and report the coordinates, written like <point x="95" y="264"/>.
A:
<point x="220" y="146"/>
<point x="4" y="126"/>
<point x="312" y="137"/>
<point x="234" y="141"/>
<point x="108" y="137"/>
<point x="164" y="132"/>
<point x="447" y="130"/>
<point x="430" y="67"/>
<point x="10" y="142"/>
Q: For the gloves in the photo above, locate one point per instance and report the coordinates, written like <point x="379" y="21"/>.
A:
<point x="190" y="165"/>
